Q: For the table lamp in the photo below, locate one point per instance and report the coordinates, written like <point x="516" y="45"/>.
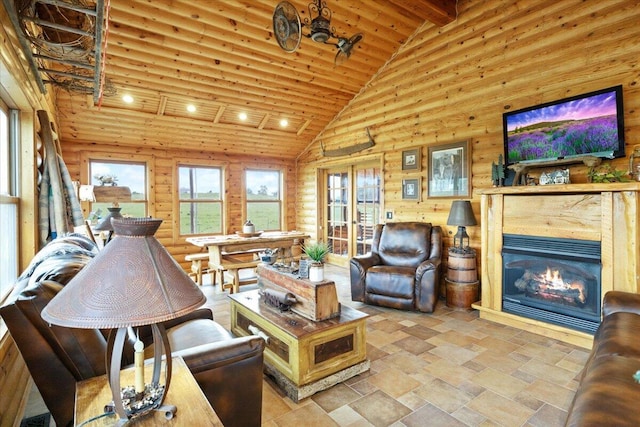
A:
<point x="461" y="214"/>
<point x="132" y="282"/>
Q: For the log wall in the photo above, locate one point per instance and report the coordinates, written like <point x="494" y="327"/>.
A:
<point x="453" y="83"/>
<point x="163" y="184"/>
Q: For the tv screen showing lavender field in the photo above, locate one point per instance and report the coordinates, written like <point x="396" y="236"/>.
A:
<point x="589" y="124"/>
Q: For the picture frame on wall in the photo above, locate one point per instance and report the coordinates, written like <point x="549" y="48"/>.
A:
<point x="411" y="160"/>
<point x="449" y="170"/>
<point x="412" y="189"/>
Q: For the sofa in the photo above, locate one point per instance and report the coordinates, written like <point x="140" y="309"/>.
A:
<point x="403" y="268"/>
<point x="229" y="370"/>
<point x="608" y="395"/>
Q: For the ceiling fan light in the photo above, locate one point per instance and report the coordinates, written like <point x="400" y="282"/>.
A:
<point x="320" y="29"/>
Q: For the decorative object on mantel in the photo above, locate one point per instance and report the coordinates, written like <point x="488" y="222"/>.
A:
<point x="287" y="29"/>
<point x="606" y="173"/>
<point x="345" y="151"/>
<point x="559" y="176"/>
<point x="521" y="169"/>
<point x="132" y="282"/>
<point x="497" y="172"/>
<point x="316" y="252"/>
<point x="461" y="214"/>
<point x="634" y="163"/>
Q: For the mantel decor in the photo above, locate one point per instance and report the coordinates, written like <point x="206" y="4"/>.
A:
<point x="448" y="171"/>
<point x="132" y="282"/>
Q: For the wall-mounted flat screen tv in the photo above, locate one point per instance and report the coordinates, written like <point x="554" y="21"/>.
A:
<point x="591" y="124"/>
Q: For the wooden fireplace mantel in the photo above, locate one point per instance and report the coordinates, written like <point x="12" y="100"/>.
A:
<point x="608" y="213"/>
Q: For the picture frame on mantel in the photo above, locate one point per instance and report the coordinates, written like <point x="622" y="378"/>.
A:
<point x="449" y="170"/>
<point x="412" y="189"/>
<point x="411" y="160"/>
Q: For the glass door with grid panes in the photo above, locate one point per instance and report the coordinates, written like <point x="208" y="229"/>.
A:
<point x="351" y="210"/>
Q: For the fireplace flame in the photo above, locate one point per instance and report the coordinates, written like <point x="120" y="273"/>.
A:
<point x="552" y="280"/>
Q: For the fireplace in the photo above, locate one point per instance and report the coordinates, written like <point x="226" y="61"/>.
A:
<point x="554" y="280"/>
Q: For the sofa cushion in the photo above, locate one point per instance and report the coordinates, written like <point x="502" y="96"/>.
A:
<point x="196" y="332"/>
<point x="608" y="394"/>
<point x="392" y="281"/>
<point x="405" y="244"/>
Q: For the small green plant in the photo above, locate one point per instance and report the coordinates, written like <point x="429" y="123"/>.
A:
<point x="607" y="173"/>
<point x="316" y="251"/>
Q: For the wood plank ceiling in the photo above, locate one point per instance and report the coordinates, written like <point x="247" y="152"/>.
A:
<point x="222" y="57"/>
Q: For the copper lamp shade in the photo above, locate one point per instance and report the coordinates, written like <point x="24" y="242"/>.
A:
<point x="461" y="214"/>
<point x="132" y="282"/>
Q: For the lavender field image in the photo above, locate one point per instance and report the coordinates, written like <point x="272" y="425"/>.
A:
<point x="579" y="127"/>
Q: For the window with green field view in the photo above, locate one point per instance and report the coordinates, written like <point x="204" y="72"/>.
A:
<point x="201" y="205"/>
<point x="127" y="174"/>
<point x="264" y="198"/>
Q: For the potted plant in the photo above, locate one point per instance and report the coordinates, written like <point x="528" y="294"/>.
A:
<point x="316" y="253"/>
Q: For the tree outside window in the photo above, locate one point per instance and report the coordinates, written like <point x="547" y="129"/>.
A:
<point x="127" y="174"/>
<point x="201" y="204"/>
<point x="264" y="198"/>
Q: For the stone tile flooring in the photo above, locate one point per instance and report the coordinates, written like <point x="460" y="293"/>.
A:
<point x="449" y="368"/>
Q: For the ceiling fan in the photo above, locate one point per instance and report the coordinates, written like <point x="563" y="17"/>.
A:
<point x="287" y="28"/>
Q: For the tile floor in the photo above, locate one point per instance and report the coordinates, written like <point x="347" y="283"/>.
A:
<point x="449" y="368"/>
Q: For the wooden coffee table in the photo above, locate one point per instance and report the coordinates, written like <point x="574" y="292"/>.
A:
<point x="301" y="355"/>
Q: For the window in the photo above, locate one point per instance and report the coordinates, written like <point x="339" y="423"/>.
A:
<point x="264" y="198"/>
<point x="128" y="174"/>
<point x="201" y="204"/>
<point x="9" y="224"/>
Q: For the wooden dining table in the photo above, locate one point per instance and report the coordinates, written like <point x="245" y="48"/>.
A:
<point x="229" y="252"/>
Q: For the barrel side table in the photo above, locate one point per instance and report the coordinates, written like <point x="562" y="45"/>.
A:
<point x="462" y="285"/>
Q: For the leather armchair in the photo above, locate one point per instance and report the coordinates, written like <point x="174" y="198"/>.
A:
<point x="227" y="369"/>
<point x="403" y="269"/>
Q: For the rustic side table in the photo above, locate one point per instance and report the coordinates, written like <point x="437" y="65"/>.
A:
<point x="462" y="285"/>
<point x="193" y="408"/>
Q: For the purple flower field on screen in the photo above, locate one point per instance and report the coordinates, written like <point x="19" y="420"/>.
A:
<point x="561" y="139"/>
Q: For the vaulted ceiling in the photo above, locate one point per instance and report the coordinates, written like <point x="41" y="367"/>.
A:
<point x="222" y="58"/>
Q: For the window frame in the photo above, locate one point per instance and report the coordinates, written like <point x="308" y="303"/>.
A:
<point x="87" y="157"/>
<point x="220" y="200"/>
<point x="10" y="197"/>
<point x="281" y="199"/>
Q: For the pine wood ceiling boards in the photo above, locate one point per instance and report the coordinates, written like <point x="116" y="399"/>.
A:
<point x="221" y="56"/>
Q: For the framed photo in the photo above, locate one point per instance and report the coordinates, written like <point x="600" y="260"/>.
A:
<point x="449" y="167"/>
<point x="412" y="189"/>
<point x="411" y="160"/>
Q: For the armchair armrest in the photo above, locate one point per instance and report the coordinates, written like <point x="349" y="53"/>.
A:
<point x="358" y="267"/>
<point x="615" y="301"/>
<point x="229" y="372"/>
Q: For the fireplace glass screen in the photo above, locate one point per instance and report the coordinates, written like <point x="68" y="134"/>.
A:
<point x="552" y="280"/>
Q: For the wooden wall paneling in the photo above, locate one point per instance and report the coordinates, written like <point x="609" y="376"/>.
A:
<point x="453" y="83"/>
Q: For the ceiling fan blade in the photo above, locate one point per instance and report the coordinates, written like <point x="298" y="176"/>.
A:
<point x="345" y="47"/>
<point x="286" y="26"/>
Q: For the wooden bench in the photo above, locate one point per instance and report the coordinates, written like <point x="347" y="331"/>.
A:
<point x="198" y="267"/>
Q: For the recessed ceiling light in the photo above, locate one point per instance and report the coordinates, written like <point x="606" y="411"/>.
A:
<point x="191" y="108"/>
<point x="284" y="123"/>
<point x="127" y="98"/>
<point x="242" y="116"/>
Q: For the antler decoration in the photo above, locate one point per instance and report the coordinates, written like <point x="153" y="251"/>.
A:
<point x="349" y="150"/>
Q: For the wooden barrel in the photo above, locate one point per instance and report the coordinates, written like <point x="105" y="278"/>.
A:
<point x="461" y="267"/>
<point x="462" y="295"/>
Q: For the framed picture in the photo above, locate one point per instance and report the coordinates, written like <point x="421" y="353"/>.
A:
<point x="412" y="189"/>
<point x="411" y="160"/>
<point x="449" y="167"/>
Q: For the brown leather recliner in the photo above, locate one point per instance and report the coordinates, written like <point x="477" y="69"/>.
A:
<point x="403" y="269"/>
<point x="229" y="370"/>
